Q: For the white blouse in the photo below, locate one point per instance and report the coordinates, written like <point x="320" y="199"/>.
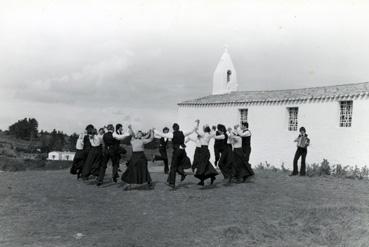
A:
<point x="138" y="144"/>
<point x="205" y="138"/>
<point x="244" y="133"/>
<point x="236" y="141"/>
<point x="196" y="140"/>
<point x="96" y="140"/>
<point x="229" y="140"/>
<point x="79" y="143"/>
<point x="120" y="136"/>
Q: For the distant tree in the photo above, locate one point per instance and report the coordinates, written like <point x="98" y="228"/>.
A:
<point x="72" y="141"/>
<point x="57" y="140"/>
<point x="33" y="126"/>
<point x="26" y="129"/>
<point x="45" y="142"/>
<point x="54" y="141"/>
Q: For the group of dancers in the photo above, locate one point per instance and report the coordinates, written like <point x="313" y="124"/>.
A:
<point x="232" y="147"/>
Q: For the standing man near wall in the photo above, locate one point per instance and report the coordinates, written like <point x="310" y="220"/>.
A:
<point x="302" y="143"/>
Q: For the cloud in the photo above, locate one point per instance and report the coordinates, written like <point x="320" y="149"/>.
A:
<point x="68" y="63"/>
<point x="79" y="86"/>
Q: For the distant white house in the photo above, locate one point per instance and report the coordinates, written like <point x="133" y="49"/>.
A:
<point x="336" y="118"/>
<point x="57" y="155"/>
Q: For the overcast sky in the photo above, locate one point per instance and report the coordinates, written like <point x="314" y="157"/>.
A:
<point x="70" y="63"/>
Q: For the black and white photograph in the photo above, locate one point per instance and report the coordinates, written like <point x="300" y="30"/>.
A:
<point x="182" y="123"/>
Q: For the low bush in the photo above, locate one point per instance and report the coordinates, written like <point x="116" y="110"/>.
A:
<point x="8" y="152"/>
<point x="350" y="172"/>
<point x="268" y="166"/>
<point x="323" y="169"/>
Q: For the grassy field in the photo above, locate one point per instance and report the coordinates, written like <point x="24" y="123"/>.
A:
<point x="52" y="208"/>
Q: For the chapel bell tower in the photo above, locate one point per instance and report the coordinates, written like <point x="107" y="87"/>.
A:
<point x="225" y="76"/>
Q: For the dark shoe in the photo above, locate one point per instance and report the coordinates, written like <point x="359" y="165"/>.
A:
<point x="115" y="179"/>
<point x="128" y="187"/>
<point x="173" y="186"/>
<point x="99" y="183"/>
<point x="293" y="174"/>
<point x="302" y="174"/>
<point x="244" y="179"/>
<point x="212" y="180"/>
<point x="201" y="183"/>
<point x="183" y="177"/>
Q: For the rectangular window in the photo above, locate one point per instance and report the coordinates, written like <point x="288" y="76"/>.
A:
<point x="293" y="118"/>
<point x="346" y="113"/>
<point x="243" y="115"/>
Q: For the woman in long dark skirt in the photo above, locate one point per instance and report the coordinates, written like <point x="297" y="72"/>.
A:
<point x="94" y="157"/>
<point x="242" y="169"/>
<point x="196" y="153"/>
<point x="205" y="169"/>
<point x="79" y="157"/>
<point x="225" y="161"/>
<point x="97" y="143"/>
<point x="137" y="171"/>
<point x="87" y="148"/>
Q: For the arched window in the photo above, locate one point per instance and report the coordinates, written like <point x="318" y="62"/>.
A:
<point x="229" y="73"/>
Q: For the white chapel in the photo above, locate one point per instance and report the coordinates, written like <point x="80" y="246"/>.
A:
<point x="336" y="118"/>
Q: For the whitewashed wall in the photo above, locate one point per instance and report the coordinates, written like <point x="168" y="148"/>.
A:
<point x="271" y="141"/>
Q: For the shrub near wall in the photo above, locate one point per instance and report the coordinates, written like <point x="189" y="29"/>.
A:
<point x="323" y="169"/>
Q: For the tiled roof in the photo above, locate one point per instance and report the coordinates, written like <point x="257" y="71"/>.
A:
<point x="346" y="90"/>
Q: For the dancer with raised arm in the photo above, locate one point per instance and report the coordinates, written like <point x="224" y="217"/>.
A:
<point x="196" y="155"/>
<point x="180" y="161"/>
<point x="163" y="145"/>
<point x="205" y="169"/>
<point x="79" y="158"/>
<point x="137" y="171"/>
<point x="242" y="169"/>
<point x="111" y="149"/>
